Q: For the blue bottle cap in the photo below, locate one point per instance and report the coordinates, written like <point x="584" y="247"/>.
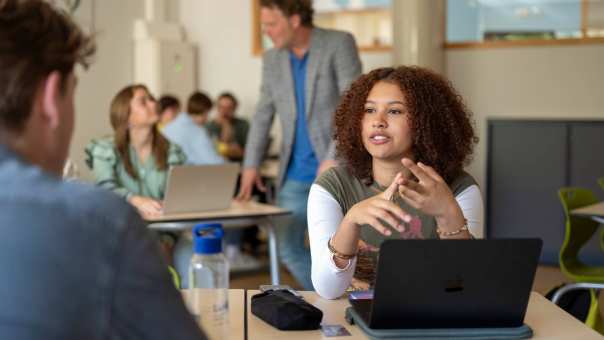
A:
<point x="207" y="238"/>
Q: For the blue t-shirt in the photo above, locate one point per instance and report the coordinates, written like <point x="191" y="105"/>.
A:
<point x="303" y="163"/>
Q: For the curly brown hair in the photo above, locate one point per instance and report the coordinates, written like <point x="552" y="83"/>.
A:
<point x="443" y="132"/>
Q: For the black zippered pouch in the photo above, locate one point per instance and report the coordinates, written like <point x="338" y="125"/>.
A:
<point x="285" y="311"/>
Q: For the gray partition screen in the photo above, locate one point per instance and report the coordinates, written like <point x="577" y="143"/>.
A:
<point x="528" y="161"/>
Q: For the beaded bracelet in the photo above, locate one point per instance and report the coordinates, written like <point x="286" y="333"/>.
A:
<point x="337" y="254"/>
<point x="463" y="228"/>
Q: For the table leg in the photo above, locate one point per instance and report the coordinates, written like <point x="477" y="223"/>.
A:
<point x="273" y="251"/>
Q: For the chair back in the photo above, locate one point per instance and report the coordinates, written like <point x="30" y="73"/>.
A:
<point x="578" y="229"/>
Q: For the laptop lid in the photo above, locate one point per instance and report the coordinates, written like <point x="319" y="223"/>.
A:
<point x="198" y="188"/>
<point x="454" y="283"/>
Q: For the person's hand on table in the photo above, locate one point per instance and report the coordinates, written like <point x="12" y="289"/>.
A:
<point x="147" y="207"/>
<point x="249" y="178"/>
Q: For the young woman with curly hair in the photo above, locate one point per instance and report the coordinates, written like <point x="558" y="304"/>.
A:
<point x="403" y="135"/>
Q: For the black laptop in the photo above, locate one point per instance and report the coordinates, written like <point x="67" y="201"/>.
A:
<point x="451" y="284"/>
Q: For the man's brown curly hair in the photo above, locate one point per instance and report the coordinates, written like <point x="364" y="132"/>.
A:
<point x="443" y="134"/>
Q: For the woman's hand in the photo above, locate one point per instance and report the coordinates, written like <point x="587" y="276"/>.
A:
<point x="146" y="206"/>
<point x="431" y="195"/>
<point x="379" y="209"/>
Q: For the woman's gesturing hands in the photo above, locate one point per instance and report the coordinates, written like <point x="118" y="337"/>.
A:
<point x="378" y="209"/>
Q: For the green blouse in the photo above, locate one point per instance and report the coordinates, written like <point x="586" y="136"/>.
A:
<point x="106" y="163"/>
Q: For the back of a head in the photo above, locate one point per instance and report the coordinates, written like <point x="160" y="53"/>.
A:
<point x="35" y="40"/>
<point x="167" y="102"/>
<point x="199" y="103"/>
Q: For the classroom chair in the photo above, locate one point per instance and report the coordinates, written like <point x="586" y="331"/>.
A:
<point x="579" y="231"/>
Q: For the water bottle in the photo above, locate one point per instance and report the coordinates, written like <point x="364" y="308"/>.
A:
<point x="209" y="280"/>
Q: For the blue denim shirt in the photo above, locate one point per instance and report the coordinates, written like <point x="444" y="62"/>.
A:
<point x="78" y="263"/>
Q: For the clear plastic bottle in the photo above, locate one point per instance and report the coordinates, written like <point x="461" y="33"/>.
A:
<point x="209" y="280"/>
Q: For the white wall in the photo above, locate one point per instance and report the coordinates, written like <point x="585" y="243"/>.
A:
<point x="527" y="82"/>
<point x="112" y="69"/>
<point x="222" y="31"/>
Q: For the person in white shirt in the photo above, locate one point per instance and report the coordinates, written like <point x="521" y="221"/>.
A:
<point x="403" y="135"/>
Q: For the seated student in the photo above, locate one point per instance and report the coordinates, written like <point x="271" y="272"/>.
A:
<point x="404" y="136"/>
<point x="198" y="107"/>
<point x="230" y="131"/>
<point x="134" y="162"/>
<point x="169" y="108"/>
<point x="231" y="134"/>
<point x="187" y="131"/>
<point x="77" y="262"/>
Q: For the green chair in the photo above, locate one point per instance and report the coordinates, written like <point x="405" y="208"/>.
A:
<point x="601" y="183"/>
<point x="175" y="277"/>
<point x="579" y="230"/>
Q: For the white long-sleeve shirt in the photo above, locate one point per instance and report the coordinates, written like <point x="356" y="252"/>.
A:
<point x="324" y="218"/>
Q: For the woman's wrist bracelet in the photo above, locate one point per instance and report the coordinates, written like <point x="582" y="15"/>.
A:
<point x="337" y="254"/>
<point x="463" y="228"/>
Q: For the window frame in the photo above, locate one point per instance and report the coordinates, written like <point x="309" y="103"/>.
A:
<point x="583" y="40"/>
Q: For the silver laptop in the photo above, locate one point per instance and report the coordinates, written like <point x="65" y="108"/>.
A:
<point x="198" y="188"/>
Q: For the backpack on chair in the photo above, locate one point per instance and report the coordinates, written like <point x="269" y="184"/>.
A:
<point x="574" y="302"/>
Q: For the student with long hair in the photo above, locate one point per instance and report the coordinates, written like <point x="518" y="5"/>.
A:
<point x="403" y="135"/>
<point x="134" y="162"/>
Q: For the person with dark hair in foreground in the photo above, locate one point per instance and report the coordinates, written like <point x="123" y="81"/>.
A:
<point x="404" y="136"/>
<point x="77" y="262"/>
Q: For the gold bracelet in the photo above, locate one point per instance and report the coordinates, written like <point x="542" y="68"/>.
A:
<point x="463" y="228"/>
<point x="337" y="254"/>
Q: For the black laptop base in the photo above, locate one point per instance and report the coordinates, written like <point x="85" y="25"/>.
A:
<point x="522" y="332"/>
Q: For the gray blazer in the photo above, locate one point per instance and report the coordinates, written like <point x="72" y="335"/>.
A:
<point x="333" y="63"/>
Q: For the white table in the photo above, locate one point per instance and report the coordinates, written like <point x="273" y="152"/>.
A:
<point x="239" y="214"/>
<point x="547" y="320"/>
<point x="594" y="211"/>
<point x="236" y="327"/>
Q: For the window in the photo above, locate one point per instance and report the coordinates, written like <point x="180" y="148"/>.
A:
<point x="526" y="22"/>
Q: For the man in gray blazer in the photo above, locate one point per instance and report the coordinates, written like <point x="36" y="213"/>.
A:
<point x="303" y="77"/>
